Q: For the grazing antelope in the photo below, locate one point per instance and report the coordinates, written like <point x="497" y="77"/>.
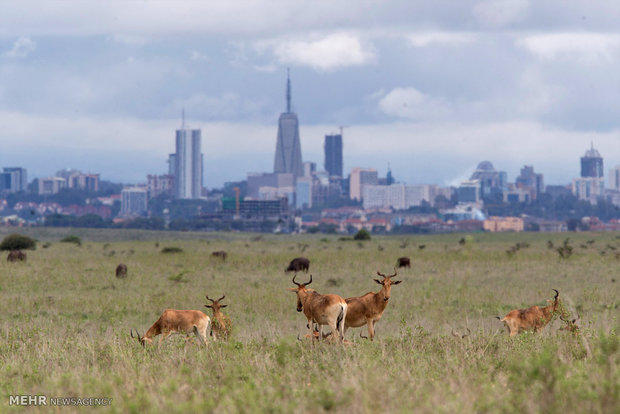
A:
<point x="221" y="254"/>
<point x="534" y="318"/>
<point x="327" y="309"/>
<point x="221" y="325"/>
<point x="298" y="264"/>
<point x="15" y="256"/>
<point x="571" y="325"/>
<point x="177" y="321"/>
<point x="461" y="336"/>
<point x="121" y="271"/>
<point x="368" y="309"/>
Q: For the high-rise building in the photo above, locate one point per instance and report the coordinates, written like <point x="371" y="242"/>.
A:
<point x="188" y="163"/>
<point x="133" y="201"/>
<point x="360" y="177"/>
<point x="492" y="182"/>
<point x="13" y="179"/>
<point x="592" y="163"/>
<point x="333" y="155"/>
<point x="288" y="145"/>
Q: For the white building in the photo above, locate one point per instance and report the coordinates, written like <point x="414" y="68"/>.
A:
<point x="188" y="161"/>
<point x="589" y="188"/>
<point x="133" y="201"/>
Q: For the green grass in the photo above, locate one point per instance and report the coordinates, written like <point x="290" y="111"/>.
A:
<point x="66" y="319"/>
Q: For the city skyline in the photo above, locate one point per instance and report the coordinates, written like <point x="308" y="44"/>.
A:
<point x="432" y="89"/>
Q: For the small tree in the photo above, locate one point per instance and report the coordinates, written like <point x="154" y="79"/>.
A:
<point x="362" y="235"/>
<point x="72" y="239"/>
<point x="18" y="242"/>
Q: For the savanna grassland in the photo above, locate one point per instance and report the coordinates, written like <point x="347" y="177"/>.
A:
<point x="64" y="329"/>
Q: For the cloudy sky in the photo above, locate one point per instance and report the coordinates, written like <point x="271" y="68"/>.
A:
<point x="429" y="87"/>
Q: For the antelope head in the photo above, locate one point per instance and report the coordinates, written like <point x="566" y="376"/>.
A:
<point x="300" y="290"/>
<point x="141" y="339"/>
<point x="215" y="304"/>
<point x="387" y="283"/>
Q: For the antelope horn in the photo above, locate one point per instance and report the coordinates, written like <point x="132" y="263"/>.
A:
<point x="208" y="298"/>
<point x="306" y="284"/>
<point x="294" y="276"/>
<point x="466" y="335"/>
<point x="455" y="334"/>
<point x="221" y="298"/>
<point x="381" y="274"/>
<point x="556" y="293"/>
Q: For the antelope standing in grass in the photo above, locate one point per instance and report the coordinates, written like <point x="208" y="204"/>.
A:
<point x="221" y="325"/>
<point x="323" y="309"/>
<point x="368" y="309"/>
<point x="177" y="321"/>
<point x="534" y="318"/>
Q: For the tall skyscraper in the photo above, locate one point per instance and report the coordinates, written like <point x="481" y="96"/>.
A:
<point x="188" y="163"/>
<point x="592" y="163"/>
<point x="333" y="155"/>
<point x="288" y="146"/>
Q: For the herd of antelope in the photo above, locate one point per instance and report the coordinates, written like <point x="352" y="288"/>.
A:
<point x="338" y="313"/>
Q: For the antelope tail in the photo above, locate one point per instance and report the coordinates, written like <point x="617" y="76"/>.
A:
<point x="340" y="321"/>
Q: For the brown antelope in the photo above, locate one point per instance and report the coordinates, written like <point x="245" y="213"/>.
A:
<point x="16" y="256"/>
<point x="368" y="309"/>
<point x="571" y="325"/>
<point x="221" y="325"/>
<point x="323" y="309"/>
<point x="177" y="321"/>
<point x="534" y="318"/>
<point x="121" y="271"/>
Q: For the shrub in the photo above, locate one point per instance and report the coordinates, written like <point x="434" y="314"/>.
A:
<point x="18" y="242"/>
<point x="72" y="239"/>
<point x="362" y="235"/>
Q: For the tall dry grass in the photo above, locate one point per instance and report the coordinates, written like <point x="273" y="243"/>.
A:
<point x="66" y="319"/>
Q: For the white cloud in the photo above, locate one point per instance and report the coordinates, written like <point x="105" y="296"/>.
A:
<point x="500" y="13"/>
<point x="331" y="52"/>
<point x="584" y="46"/>
<point x="21" y="48"/>
<point x="410" y="103"/>
<point x="197" y="56"/>
<point x="441" y="38"/>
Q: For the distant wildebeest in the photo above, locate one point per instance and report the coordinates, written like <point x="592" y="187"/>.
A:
<point x="297" y="264"/>
<point x="533" y="318"/>
<point x="15" y="256"/>
<point x="220" y="254"/>
<point x="403" y="262"/>
<point x="121" y="271"/>
<point x="177" y="321"/>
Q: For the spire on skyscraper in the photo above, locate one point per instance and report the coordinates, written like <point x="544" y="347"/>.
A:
<point x="288" y="90"/>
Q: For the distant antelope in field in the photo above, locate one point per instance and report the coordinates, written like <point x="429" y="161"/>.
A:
<point x="221" y="325"/>
<point x="368" y="309"/>
<point x="221" y="254"/>
<point x="327" y="309"/>
<point x="16" y="256"/>
<point x="534" y="318"/>
<point x="121" y="271"/>
<point x="177" y="321"/>
<point x="298" y="264"/>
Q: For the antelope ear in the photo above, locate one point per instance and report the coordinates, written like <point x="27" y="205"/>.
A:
<point x="223" y="306"/>
<point x="396" y="282"/>
<point x="292" y="289"/>
<point x="378" y="281"/>
<point x="208" y="306"/>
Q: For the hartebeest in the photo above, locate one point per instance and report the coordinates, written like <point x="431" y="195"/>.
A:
<point x="327" y="309"/>
<point x="16" y="256"/>
<point x="177" y="321"/>
<point x="221" y="325"/>
<point x="368" y="309"/>
<point x="121" y="271"/>
<point x="403" y="262"/>
<point x="220" y="254"/>
<point x="534" y="318"/>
